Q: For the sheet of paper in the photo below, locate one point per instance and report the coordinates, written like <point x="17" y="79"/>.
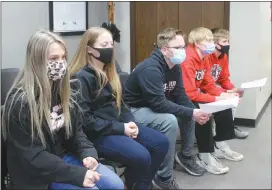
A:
<point x="219" y="105"/>
<point x="254" y="84"/>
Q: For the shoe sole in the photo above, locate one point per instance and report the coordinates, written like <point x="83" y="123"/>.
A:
<point x="155" y="186"/>
<point x="217" y="173"/>
<point x="213" y="172"/>
<point x="222" y="156"/>
<point x="241" y="137"/>
<point x="189" y="171"/>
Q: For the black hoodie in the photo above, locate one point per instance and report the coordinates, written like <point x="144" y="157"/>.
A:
<point x="33" y="166"/>
<point x="152" y="84"/>
<point x="99" y="109"/>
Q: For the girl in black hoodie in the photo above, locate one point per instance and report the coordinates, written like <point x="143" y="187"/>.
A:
<point x="108" y="122"/>
<point x="42" y="125"/>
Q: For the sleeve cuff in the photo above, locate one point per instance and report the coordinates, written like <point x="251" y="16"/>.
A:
<point x="89" y="153"/>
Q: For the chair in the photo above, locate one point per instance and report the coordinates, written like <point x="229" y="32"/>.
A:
<point x="7" y="79"/>
<point x="122" y="75"/>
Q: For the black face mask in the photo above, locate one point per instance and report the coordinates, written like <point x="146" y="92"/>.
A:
<point x="224" y="49"/>
<point x="105" y="55"/>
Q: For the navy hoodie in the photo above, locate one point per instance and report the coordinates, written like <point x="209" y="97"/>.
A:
<point x="152" y="84"/>
<point x="99" y="109"/>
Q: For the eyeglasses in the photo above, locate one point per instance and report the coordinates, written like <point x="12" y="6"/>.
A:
<point x="176" y="47"/>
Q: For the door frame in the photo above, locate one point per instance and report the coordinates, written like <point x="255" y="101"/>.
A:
<point x="133" y="49"/>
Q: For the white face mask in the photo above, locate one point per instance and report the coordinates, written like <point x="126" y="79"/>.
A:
<point x="56" y="70"/>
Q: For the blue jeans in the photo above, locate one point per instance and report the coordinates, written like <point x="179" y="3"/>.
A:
<point x="108" y="179"/>
<point x="141" y="156"/>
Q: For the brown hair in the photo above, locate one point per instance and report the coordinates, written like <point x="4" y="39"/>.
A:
<point x="167" y="35"/>
<point x="219" y="34"/>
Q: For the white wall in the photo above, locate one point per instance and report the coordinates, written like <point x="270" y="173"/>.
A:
<point x="22" y="19"/>
<point x="122" y="21"/>
<point x="250" y="52"/>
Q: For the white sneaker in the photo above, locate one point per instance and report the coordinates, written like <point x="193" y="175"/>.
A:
<point x="226" y="153"/>
<point x="213" y="165"/>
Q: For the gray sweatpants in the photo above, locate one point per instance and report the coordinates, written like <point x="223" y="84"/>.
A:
<point x="168" y="125"/>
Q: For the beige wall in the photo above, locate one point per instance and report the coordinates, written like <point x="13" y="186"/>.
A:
<point x="250" y="52"/>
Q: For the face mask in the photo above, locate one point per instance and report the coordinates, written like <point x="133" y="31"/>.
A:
<point x="179" y="56"/>
<point x="224" y="49"/>
<point x="210" y="48"/>
<point x="106" y="55"/>
<point x="56" y="70"/>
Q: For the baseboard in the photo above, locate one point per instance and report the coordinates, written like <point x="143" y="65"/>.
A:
<point x="253" y="122"/>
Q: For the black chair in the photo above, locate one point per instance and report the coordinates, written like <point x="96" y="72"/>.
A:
<point x="7" y="79"/>
<point x="122" y="75"/>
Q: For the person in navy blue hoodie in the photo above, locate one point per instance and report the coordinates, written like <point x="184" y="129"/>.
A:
<point x="108" y="122"/>
<point x="155" y="92"/>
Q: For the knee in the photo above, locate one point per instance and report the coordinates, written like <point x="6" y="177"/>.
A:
<point x="108" y="179"/>
<point x="170" y="123"/>
<point x="115" y="183"/>
<point x="142" y="159"/>
<point x="162" y="142"/>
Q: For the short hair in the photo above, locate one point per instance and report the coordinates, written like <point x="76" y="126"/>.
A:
<point x="167" y="35"/>
<point x="200" y="34"/>
<point x="220" y="33"/>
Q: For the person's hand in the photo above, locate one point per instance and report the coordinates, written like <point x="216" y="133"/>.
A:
<point x="90" y="163"/>
<point x="226" y="95"/>
<point x="239" y="91"/>
<point x="134" y="126"/>
<point x="200" y="117"/>
<point x="90" y="178"/>
<point x="131" y="130"/>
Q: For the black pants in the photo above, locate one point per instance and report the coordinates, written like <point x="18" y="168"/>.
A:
<point x="224" y="131"/>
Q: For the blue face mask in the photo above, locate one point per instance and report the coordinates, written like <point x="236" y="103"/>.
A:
<point x="210" y="48"/>
<point x="179" y="56"/>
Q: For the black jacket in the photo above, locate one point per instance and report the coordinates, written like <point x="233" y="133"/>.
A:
<point x="33" y="166"/>
<point x="152" y="84"/>
<point x="100" y="110"/>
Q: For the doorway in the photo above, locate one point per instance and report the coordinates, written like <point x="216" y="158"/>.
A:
<point x="147" y="19"/>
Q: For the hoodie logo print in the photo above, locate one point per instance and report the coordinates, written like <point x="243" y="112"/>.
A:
<point x="170" y="86"/>
<point x="215" y="71"/>
<point x="200" y="74"/>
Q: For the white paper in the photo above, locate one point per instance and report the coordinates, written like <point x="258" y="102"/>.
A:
<point x="69" y="16"/>
<point x="220" y="105"/>
<point x="254" y="84"/>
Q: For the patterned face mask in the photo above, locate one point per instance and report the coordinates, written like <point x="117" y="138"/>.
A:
<point x="56" y="70"/>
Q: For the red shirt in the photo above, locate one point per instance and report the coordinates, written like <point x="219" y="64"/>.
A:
<point x="197" y="75"/>
<point x="220" y="70"/>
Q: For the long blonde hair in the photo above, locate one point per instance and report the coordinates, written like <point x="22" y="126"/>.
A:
<point x="32" y="86"/>
<point x="81" y="58"/>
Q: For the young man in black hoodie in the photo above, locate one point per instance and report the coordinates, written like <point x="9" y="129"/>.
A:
<point x="155" y="92"/>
